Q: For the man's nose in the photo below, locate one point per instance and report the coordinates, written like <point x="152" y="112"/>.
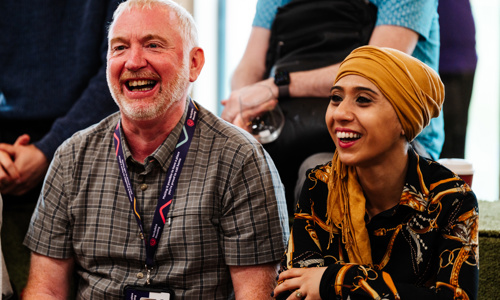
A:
<point x="136" y="59"/>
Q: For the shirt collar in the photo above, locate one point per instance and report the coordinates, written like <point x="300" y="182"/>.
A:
<point x="414" y="194"/>
<point x="164" y="152"/>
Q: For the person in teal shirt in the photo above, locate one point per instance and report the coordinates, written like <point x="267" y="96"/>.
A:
<point x="419" y="16"/>
<point x="407" y="25"/>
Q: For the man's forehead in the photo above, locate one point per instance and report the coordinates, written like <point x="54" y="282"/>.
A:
<point x="144" y="21"/>
<point x="155" y="15"/>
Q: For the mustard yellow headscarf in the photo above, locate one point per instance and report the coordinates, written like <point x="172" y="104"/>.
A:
<point x="417" y="94"/>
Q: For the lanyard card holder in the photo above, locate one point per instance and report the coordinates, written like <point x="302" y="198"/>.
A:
<point x="136" y="292"/>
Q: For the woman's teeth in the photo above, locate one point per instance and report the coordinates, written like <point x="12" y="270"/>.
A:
<point x="348" y="135"/>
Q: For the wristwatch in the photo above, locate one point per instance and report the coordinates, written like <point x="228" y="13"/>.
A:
<point x="282" y="80"/>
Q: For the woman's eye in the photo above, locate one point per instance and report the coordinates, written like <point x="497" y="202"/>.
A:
<point x="363" y="100"/>
<point x="335" y="99"/>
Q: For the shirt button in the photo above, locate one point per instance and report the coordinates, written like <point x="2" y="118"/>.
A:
<point x="140" y="275"/>
<point x="144" y="186"/>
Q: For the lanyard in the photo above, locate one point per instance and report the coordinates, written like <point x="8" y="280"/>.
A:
<point x="169" y="186"/>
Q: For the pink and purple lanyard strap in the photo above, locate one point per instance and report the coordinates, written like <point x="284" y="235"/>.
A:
<point x="169" y="186"/>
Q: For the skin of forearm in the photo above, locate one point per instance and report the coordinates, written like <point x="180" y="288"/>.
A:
<point x="317" y="83"/>
<point x="314" y="83"/>
<point x="245" y="75"/>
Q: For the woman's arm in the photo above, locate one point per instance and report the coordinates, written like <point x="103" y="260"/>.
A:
<point x="455" y="250"/>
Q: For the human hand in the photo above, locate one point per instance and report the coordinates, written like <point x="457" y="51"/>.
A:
<point x="29" y="162"/>
<point x="251" y="102"/>
<point x="303" y="281"/>
<point x="231" y="106"/>
<point x="265" y="89"/>
<point x="8" y="171"/>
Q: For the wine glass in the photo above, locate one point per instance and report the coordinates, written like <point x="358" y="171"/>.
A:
<point x="260" y="113"/>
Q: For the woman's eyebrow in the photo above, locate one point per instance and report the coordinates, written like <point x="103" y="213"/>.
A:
<point x="336" y="87"/>
<point x="358" y="88"/>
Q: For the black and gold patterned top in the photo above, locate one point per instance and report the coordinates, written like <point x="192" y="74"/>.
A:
<point x="426" y="246"/>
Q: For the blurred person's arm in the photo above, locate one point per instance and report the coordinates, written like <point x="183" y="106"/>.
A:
<point x="397" y="37"/>
<point x="312" y="83"/>
<point x="252" y="65"/>
<point x="250" y="70"/>
<point x="317" y="83"/>
<point x="92" y="105"/>
<point x="49" y="278"/>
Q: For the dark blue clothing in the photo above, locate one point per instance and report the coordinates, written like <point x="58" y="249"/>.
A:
<point x="457" y="65"/>
<point x="53" y="66"/>
<point x="458" y="37"/>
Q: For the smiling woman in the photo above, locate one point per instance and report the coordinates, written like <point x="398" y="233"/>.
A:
<point x="363" y="124"/>
<point x="380" y="221"/>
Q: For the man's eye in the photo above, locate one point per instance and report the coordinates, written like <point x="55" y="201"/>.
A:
<point x="153" y="45"/>
<point x="119" y="48"/>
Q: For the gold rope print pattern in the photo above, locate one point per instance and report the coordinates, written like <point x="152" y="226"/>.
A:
<point x="426" y="201"/>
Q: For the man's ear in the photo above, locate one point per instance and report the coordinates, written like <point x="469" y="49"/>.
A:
<point x="196" y="62"/>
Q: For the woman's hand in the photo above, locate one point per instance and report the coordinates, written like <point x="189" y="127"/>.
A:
<point x="304" y="282"/>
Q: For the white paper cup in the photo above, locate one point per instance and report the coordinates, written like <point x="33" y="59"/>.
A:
<point x="459" y="166"/>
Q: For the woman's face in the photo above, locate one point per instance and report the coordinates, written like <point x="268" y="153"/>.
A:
<point x="363" y="123"/>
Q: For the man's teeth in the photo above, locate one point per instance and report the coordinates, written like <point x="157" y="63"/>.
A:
<point x="141" y="85"/>
<point x="141" y="89"/>
<point x="133" y="83"/>
<point x="348" y="135"/>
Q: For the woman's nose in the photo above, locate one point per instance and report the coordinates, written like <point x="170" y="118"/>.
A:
<point x="343" y="111"/>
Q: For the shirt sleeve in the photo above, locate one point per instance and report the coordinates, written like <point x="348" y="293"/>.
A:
<point x="416" y="15"/>
<point x="266" y="12"/>
<point x="49" y="233"/>
<point x="305" y="246"/>
<point x="249" y="236"/>
<point x="307" y="252"/>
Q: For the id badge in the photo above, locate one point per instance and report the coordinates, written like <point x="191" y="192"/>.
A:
<point x="135" y="292"/>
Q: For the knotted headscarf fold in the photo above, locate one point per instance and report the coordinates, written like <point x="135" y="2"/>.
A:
<point x="417" y="94"/>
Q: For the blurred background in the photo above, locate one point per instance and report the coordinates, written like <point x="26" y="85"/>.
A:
<point x="224" y="27"/>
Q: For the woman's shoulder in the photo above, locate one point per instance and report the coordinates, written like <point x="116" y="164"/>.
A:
<point x="436" y="175"/>
<point x="441" y="185"/>
<point x="315" y="188"/>
<point x="319" y="174"/>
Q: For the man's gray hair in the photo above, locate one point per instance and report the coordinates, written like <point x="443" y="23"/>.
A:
<point x="187" y="28"/>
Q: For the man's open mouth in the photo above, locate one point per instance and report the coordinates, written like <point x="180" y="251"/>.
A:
<point x="140" y="85"/>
